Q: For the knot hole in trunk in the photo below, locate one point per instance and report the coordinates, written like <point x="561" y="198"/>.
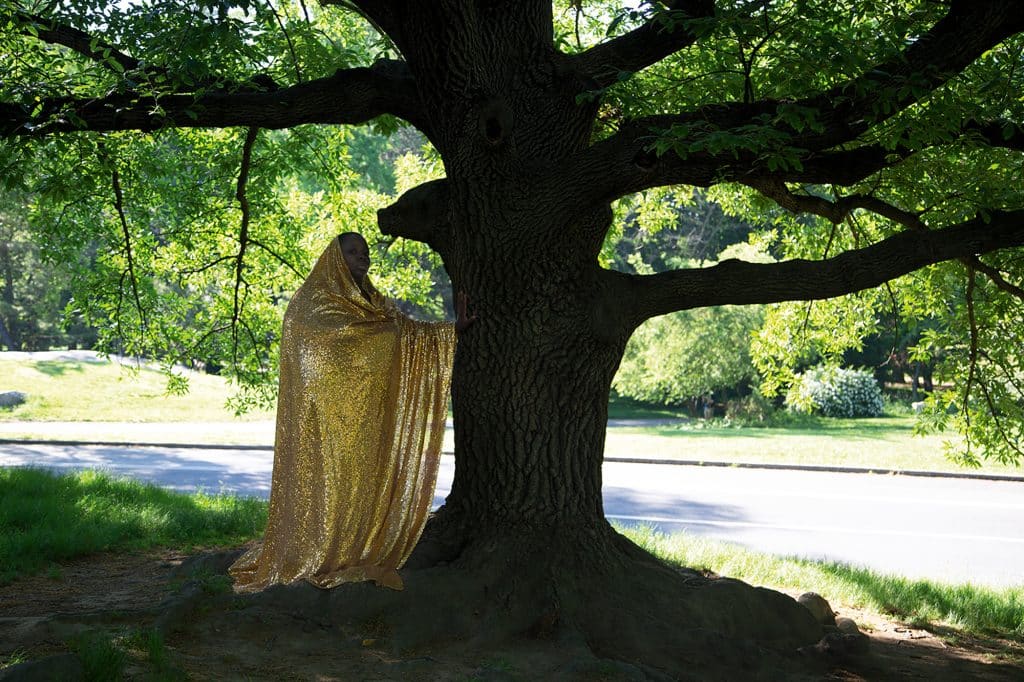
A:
<point x="495" y="122"/>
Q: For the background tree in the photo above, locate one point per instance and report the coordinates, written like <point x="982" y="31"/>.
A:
<point x="682" y="357"/>
<point x="907" y="113"/>
<point x="34" y="311"/>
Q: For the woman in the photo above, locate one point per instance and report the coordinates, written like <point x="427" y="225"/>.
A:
<point x="360" y="419"/>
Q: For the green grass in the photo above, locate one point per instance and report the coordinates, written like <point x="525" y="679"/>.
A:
<point x="881" y="443"/>
<point x="98" y="397"/>
<point x="46" y="518"/>
<point x="14" y="658"/>
<point x="102" y="660"/>
<point x="968" y="608"/>
<point x="105" y="391"/>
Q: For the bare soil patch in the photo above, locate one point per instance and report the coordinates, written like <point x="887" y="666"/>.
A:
<point x="117" y="593"/>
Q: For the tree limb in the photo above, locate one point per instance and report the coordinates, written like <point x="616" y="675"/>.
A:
<point x="667" y="32"/>
<point x="995" y="276"/>
<point x="115" y="182"/>
<point x="243" y="232"/>
<point x="422" y="213"/>
<point x="349" y="96"/>
<point x="838" y="210"/>
<point x="969" y="29"/>
<point x="734" y="282"/>
<point x="835" y="211"/>
<point x="840" y="115"/>
<point x="625" y="164"/>
<point x="1001" y="133"/>
<point x="55" y="33"/>
<point x="382" y="14"/>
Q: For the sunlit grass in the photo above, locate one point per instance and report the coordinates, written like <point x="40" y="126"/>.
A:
<point x="883" y="443"/>
<point x="972" y="609"/>
<point x="96" y="398"/>
<point x="46" y="518"/>
<point x="70" y="390"/>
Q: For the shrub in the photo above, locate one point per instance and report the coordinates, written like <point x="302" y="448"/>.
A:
<point x="836" y="392"/>
<point x="752" y="409"/>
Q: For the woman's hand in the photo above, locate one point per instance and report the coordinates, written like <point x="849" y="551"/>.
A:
<point x="463" y="319"/>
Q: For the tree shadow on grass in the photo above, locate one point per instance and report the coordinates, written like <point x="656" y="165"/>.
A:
<point x="56" y="368"/>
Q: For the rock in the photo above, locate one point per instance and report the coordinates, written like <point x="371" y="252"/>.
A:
<point x="840" y="645"/>
<point x="12" y="398"/>
<point x="847" y="626"/>
<point x="818" y="607"/>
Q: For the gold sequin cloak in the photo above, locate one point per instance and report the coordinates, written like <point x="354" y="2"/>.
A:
<point x="360" y="419"/>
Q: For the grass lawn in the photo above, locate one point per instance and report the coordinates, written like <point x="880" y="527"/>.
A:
<point x="101" y="395"/>
<point x="968" y="608"/>
<point x="66" y="390"/>
<point x="46" y="518"/>
<point x="882" y="442"/>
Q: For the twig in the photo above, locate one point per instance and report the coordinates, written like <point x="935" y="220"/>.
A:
<point x="281" y="259"/>
<point x="119" y="207"/>
<point x="288" y="39"/>
<point x="996" y="276"/>
<point x="972" y="356"/>
<point x="243" y="234"/>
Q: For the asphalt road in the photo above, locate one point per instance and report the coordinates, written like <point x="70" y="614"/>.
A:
<point x="940" y="528"/>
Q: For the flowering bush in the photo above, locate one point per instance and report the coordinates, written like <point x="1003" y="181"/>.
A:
<point x="836" y="392"/>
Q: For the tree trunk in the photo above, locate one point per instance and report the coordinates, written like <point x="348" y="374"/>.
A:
<point x="522" y="544"/>
<point x="8" y="330"/>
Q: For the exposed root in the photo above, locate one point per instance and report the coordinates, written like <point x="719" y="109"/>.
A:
<point x="587" y="594"/>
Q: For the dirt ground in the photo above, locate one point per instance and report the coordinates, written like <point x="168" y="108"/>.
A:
<point x="40" y="615"/>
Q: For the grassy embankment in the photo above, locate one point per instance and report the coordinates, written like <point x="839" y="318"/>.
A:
<point x="100" y="397"/>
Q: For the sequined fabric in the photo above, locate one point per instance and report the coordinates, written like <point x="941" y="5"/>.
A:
<point x="360" y="419"/>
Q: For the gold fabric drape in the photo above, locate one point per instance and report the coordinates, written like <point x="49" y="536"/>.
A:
<point x="360" y="419"/>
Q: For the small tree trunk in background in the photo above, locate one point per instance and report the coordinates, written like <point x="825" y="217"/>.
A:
<point x="8" y="326"/>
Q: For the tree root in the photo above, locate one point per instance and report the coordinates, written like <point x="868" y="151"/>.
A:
<point x="588" y="596"/>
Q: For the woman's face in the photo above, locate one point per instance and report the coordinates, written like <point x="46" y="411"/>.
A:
<point x="357" y="256"/>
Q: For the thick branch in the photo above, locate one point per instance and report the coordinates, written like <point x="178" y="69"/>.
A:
<point x="665" y="33"/>
<point x="50" y="31"/>
<point x="735" y="282"/>
<point x="835" y="211"/>
<point x="422" y="213"/>
<point x="1007" y="134"/>
<point x="995" y="276"/>
<point x="841" y="114"/>
<point x="838" y="210"/>
<point x="349" y="96"/>
<point x="969" y="29"/>
<point x="380" y="13"/>
<point x="623" y="165"/>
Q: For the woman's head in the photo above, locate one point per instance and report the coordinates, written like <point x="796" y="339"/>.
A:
<point x="356" y="253"/>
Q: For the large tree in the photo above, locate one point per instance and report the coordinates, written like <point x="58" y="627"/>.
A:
<point x="897" y="122"/>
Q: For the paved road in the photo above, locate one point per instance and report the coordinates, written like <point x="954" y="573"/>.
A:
<point x="940" y="528"/>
